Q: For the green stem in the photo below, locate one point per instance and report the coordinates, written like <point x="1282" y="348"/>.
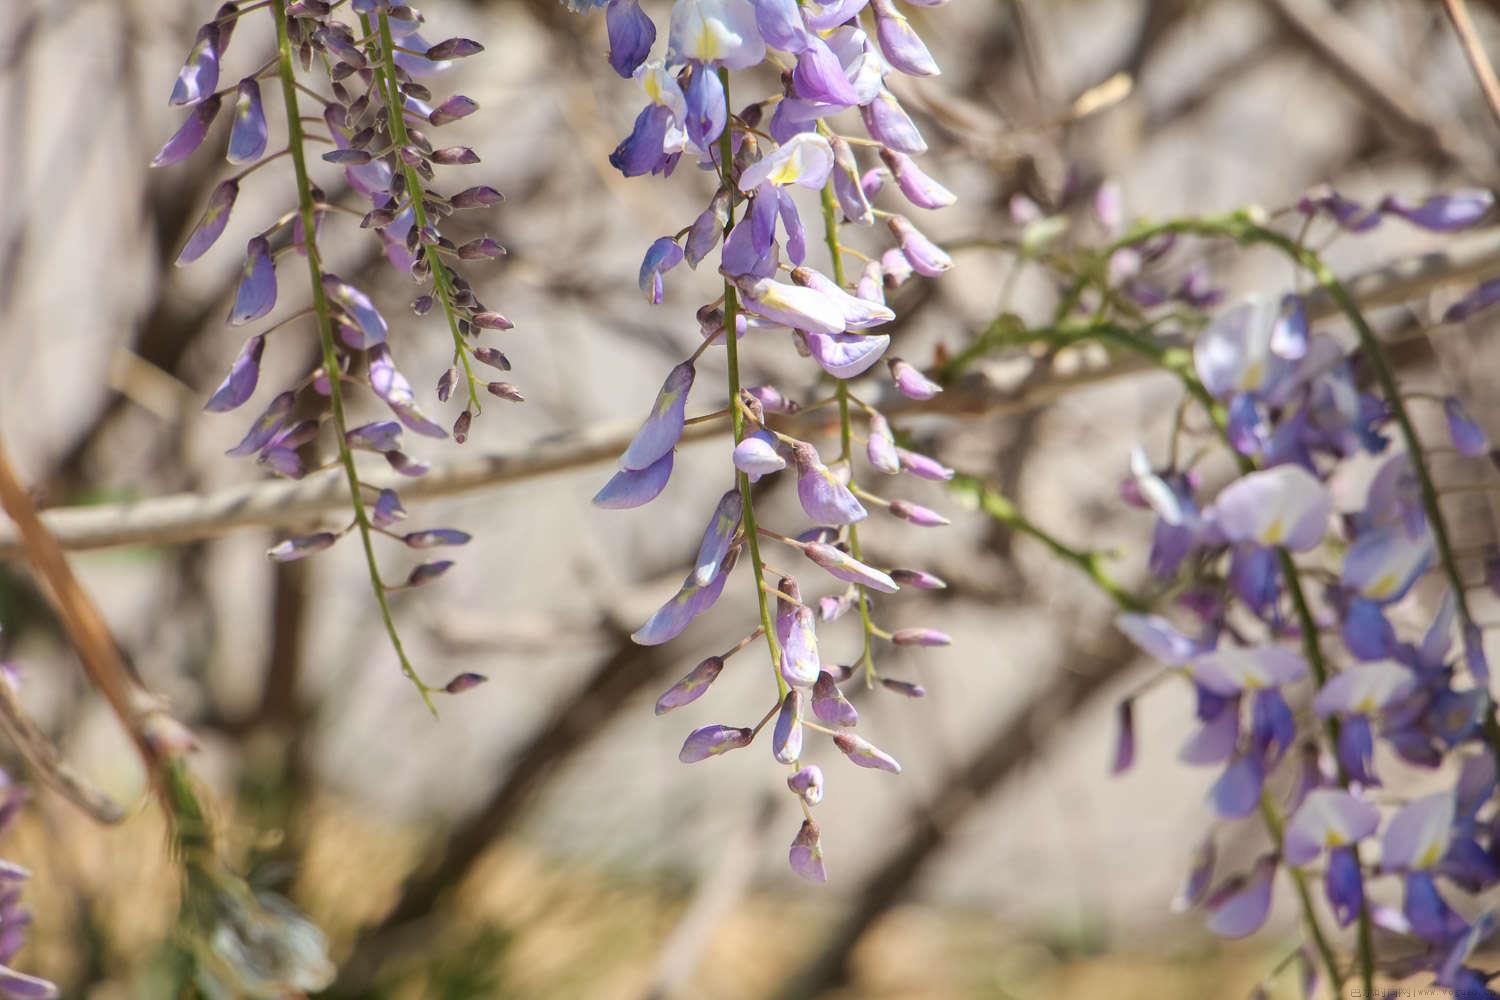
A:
<point x="846" y="433"/>
<point x="1274" y="825"/>
<point x="396" y="123"/>
<point x="736" y="415"/>
<point x="998" y="506"/>
<point x="308" y="211"/>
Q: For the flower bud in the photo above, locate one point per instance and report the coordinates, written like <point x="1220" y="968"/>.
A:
<point x="464" y="682"/>
<point x="691" y="687"/>
<point x="711" y="741"/>
<point x="920" y="637"/>
<point x="864" y="753"/>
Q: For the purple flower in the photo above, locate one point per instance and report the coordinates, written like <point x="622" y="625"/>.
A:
<point x="829" y="703"/>
<point x="717" y="536"/>
<point x="464" y="682"/>
<point x="846" y="355"/>
<point x="704" y="103"/>
<point x="1233" y="669"/>
<point x="1328" y="818"/>
<point x="924" y="517"/>
<point x="663" y="426"/>
<point x="691" y="687"/>
<point x="358" y="307"/>
<point x="910" y="382"/>
<point x="798" y="639"/>
<point x="433" y="537"/>
<point x="390" y="385"/>
<point x="717" y="32"/>
<point x="758" y="455"/>
<point x="1384" y="562"/>
<point x="859" y="313"/>
<point x="808" y="784"/>
<point x="1442" y="213"/>
<point x="1236" y="793"/>
<point x="900" y="43"/>
<point x="843" y="566"/>
<point x="1199" y="874"/>
<point x="631" y="35"/>
<point x="1158" y="638"/>
<point x="211" y="225"/>
<point x="456" y="107"/>
<point x="880" y="447"/>
<point x="1350" y="215"/>
<point x="853" y="201"/>
<point x="426" y="572"/>
<point x="301" y="546"/>
<point x="1416" y="838"/>
<point x="925" y="256"/>
<point x="247" y="134"/>
<point x="200" y="73"/>
<point x="1343" y="884"/>
<point x="641" y="152"/>
<point x="239" y="385"/>
<point x="825" y="499"/>
<point x="786" y="738"/>
<point x="805" y="160"/>
<point x="635" y="487"/>
<point x="864" y="753"/>
<point x="1476" y="301"/>
<point x="1364" y="690"/>
<point x="806" y="309"/>
<point x="889" y="124"/>
<point x="1466" y="435"/>
<point x="920" y="189"/>
<point x="920" y="637"/>
<point x="1238" y="352"/>
<point x="689" y="602"/>
<point x="189" y="135"/>
<point x="266" y="425"/>
<point x="1239" y="906"/>
<point x="381" y="436"/>
<point x="256" y="294"/>
<point x="904" y="688"/>
<point x="819" y="75"/>
<point x="661" y="257"/>
<point x="1285" y="506"/>
<point x="806" y="854"/>
<point x="710" y="741"/>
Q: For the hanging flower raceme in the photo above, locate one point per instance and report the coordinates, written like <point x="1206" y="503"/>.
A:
<point x="766" y="154"/>
<point x="380" y="126"/>
<point x="1297" y="580"/>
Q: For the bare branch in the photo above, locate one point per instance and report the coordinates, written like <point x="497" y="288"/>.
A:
<point x="1458" y="13"/>
<point x="188" y="516"/>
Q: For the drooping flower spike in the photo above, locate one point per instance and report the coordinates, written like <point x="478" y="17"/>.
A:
<point x="763" y="148"/>
<point x="379" y="122"/>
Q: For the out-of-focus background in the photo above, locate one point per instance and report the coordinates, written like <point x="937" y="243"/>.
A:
<point x="540" y="839"/>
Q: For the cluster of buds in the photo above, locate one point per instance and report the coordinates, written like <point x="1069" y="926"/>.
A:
<point x="373" y="59"/>
<point x="834" y="61"/>
<point x="1284" y="588"/>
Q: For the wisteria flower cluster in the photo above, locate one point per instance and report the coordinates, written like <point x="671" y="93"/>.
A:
<point x="1283" y="595"/>
<point x="834" y="61"/>
<point x="377" y="123"/>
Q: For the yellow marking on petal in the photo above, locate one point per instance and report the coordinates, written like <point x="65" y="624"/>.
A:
<point x="1334" y="839"/>
<point x="1430" y="857"/>
<point x="1274" y="533"/>
<point x="786" y="172"/>
<point x="1383" y="587"/>
<point x="708" y="42"/>
<point x="1253" y="373"/>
